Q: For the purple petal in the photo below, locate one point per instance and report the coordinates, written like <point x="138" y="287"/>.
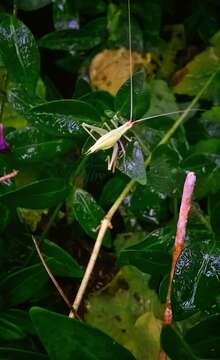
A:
<point x="3" y="145"/>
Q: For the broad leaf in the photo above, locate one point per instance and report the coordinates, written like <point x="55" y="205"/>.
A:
<point x="61" y="262"/>
<point x="81" y="341"/>
<point x="37" y="195"/>
<point x="30" y="5"/>
<point x="141" y="96"/>
<point x="88" y="213"/>
<point x="196" y="281"/>
<point x="63" y="117"/>
<point x="132" y="163"/>
<point x="150" y="255"/>
<point x="19" y="52"/>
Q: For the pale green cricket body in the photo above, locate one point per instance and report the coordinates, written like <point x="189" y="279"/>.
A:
<point x="110" y="138"/>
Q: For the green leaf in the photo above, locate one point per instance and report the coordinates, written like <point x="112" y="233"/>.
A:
<point x="132" y="163"/>
<point x="204" y="168"/>
<point x="64" y="15"/>
<point x="141" y="96"/>
<point x="196" y="281"/>
<point x="23" y="285"/>
<point x="19" y="52"/>
<point x="112" y="190"/>
<point x="150" y="255"/>
<point x="38" y="194"/>
<point x="7" y="353"/>
<point x="147" y="205"/>
<point x="30" y="5"/>
<point x="88" y="213"/>
<point x="196" y="74"/>
<point x="63" y="117"/>
<point x="126" y="310"/>
<point x="10" y="331"/>
<point x="165" y="177"/>
<point x="61" y="262"/>
<point x="20" y="318"/>
<point x="204" y="338"/>
<point x="31" y="145"/>
<point x="175" y="346"/>
<point x="81" y="341"/>
<point x="74" y="41"/>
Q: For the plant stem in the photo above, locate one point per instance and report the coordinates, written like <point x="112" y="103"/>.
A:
<point x="8" y="176"/>
<point x="54" y="281"/>
<point x="106" y="222"/>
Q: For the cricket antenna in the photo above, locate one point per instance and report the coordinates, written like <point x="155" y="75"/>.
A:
<point x="130" y="60"/>
<point x="167" y="114"/>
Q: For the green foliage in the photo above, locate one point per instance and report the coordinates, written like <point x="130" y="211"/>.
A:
<point x="54" y="73"/>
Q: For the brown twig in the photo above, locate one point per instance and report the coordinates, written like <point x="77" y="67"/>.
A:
<point x="54" y="281"/>
<point x="178" y="245"/>
<point x="8" y="176"/>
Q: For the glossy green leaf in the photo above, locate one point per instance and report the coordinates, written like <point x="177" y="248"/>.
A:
<point x="81" y="341"/>
<point x="37" y="195"/>
<point x="10" y="331"/>
<point x="150" y="255"/>
<point x="165" y="177"/>
<point x="141" y="96"/>
<point x="132" y="163"/>
<point x="175" y="346"/>
<point x="20" y="318"/>
<point x="112" y="190"/>
<point x="88" y="213"/>
<point x="75" y="40"/>
<point x="7" y="353"/>
<point x="204" y="167"/>
<point x="30" y="5"/>
<point x="23" y="285"/>
<point x="61" y="262"/>
<point x="204" y="338"/>
<point x="31" y="145"/>
<point x="196" y="281"/>
<point x="19" y="52"/>
<point x="63" y="117"/>
<point x="147" y="205"/>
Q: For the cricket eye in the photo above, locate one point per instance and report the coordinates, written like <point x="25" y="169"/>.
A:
<point x="3" y="145"/>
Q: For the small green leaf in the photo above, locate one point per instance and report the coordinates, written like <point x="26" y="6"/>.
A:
<point x="112" y="190"/>
<point x="204" y="338"/>
<point x="30" y="5"/>
<point x="175" y="346"/>
<point x="165" y="177"/>
<point x="19" y="52"/>
<point x="141" y="96"/>
<point x="76" y="340"/>
<point x="61" y="262"/>
<point x="76" y="40"/>
<point x="132" y="163"/>
<point x="20" y="318"/>
<point x="63" y="117"/>
<point x="10" y="331"/>
<point x="23" y="285"/>
<point x="150" y="255"/>
<point x="37" y="195"/>
<point x="88" y="213"/>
